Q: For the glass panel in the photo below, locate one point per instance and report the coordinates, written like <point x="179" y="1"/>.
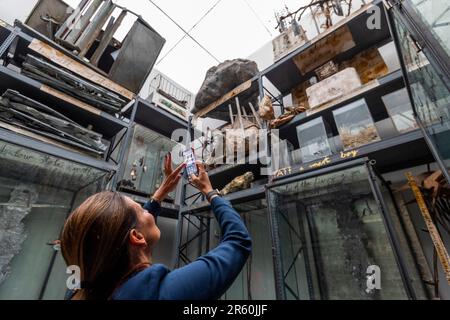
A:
<point x="331" y="230"/>
<point x="431" y="97"/>
<point x="436" y="14"/>
<point x="143" y="171"/>
<point x="281" y="156"/>
<point x="399" y="108"/>
<point x="355" y="125"/>
<point x="313" y="140"/>
<point x="256" y="280"/>
<point x="37" y="192"/>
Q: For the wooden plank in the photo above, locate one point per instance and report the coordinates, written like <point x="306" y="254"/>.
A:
<point x="107" y="36"/>
<point x="64" y="61"/>
<point x="432" y="229"/>
<point x="242" y="87"/>
<point x="369" y="86"/>
<point x="256" y="115"/>
<point x="324" y="50"/>
<point x="70" y="99"/>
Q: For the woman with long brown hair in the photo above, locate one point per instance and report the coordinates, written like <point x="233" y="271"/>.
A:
<point x="110" y="238"/>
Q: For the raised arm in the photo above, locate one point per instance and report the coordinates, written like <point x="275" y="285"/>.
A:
<point x="210" y="275"/>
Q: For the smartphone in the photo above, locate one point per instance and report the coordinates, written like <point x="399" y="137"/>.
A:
<point x="189" y="159"/>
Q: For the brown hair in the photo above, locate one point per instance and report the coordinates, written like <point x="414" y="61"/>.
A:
<point x="95" y="238"/>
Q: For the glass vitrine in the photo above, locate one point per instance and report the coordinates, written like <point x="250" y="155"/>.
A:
<point x="435" y="14"/>
<point x="313" y="140"/>
<point x="331" y="233"/>
<point x="355" y="125"/>
<point x="37" y="192"/>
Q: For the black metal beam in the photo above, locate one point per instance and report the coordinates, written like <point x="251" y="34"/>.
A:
<point x="284" y="74"/>
<point x="386" y="84"/>
<point x="236" y="197"/>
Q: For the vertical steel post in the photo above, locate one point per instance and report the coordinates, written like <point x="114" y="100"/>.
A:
<point x="183" y="202"/>
<point x="428" y="140"/>
<point x="83" y="22"/>
<point x="124" y="147"/>
<point x="91" y="32"/>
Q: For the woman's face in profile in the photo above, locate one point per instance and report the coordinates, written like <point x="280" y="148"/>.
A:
<point x="145" y="224"/>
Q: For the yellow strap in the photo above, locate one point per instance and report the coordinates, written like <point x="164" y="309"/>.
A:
<point x="432" y="229"/>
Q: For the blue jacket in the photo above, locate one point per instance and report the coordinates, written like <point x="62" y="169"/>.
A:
<point x="208" y="277"/>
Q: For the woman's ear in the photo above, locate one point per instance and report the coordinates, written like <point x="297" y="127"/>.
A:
<point x="137" y="238"/>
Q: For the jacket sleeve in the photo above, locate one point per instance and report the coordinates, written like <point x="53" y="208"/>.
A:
<point x="209" y="276"/>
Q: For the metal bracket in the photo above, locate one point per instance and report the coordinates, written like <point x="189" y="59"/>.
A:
<point x="9" y="40"/>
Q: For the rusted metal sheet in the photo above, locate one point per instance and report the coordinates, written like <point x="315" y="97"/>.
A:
<point x="94" y="28"/>
<point x="137" y="56"/>
<point x="107" y="37"/>
<point x="287" y="42"/>
<point x="62" y="60"/>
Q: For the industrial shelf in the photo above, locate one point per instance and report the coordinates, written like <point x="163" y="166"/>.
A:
<point x="54" y="150"/>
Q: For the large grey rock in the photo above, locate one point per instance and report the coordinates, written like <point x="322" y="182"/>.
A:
<point x="221" y="79"/>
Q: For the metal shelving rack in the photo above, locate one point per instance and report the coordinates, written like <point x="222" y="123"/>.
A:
<point x="106" y="124"/>
<point x="386" y="155"/>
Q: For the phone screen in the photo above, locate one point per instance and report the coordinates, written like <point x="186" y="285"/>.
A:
<point x="189" y="159"/>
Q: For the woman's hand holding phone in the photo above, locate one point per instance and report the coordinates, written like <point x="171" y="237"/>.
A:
<point x="171" y="179"/>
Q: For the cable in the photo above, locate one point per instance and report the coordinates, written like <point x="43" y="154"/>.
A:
<point x="318" y="2"/>
<point x="192" y="28"/>
<point x="180" y="27"/>
<point x="258" y="17"/>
